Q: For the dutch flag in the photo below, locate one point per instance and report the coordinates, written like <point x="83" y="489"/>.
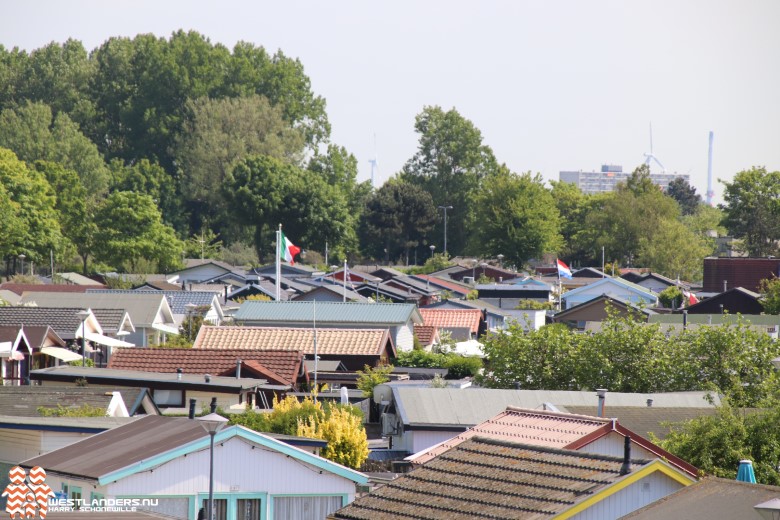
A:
<point x="563" y="270"/>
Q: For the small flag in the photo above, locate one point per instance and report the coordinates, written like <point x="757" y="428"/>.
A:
<point x="692" y="299"/>
<point x="288" y="250"/>
<point x="563" y="269"/>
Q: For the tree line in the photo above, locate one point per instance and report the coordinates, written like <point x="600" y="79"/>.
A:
<point x="146" y="149"/>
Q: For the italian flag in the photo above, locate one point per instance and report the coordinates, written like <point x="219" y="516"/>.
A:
<point x="288" y="249"/>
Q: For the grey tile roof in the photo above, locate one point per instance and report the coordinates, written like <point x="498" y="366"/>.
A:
<point x="176" y="299"/>
<point x="141" y="306"/>
<point x="385" y="314"/>
<point x="113" y="320"/>
<point x="488" y="478"/>
<point x="63" y="320"/>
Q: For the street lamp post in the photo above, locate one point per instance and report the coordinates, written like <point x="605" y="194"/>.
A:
<point x="500" y="260"/>
<point x="190" y="311"/>
<point x="445" y="208"/>
<point x="212" y="423"/>
<point x="22" y="257"/>
<point x="433" y="248"/>
<point x="83" y="315"/>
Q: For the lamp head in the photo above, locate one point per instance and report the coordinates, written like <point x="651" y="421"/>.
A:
<point x="212" y="422"/>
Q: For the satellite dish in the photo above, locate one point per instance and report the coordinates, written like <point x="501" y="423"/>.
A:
<point x="382" y="394"/>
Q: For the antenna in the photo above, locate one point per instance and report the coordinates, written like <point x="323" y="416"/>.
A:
<point x="649" y="156"/>
<point x="710" y="192"/>
<point x="374" y="163"/>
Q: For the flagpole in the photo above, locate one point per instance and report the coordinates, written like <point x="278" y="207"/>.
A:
<point x="344" y="299"/>
<point x="278" y="263"/>
<point x="314" y="324"/>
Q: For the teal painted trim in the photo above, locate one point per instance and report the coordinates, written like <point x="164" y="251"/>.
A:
<point x="227" y="434"/>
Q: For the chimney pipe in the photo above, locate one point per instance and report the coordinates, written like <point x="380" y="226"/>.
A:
<point x="649" y="403"/>
<point x="685" y="320"/>
<point x="602" y="393"/>
<point x="725" y="285"/>
<point x="213" y="405"/>
<point x="207" y="378"/>
<point x="192" y="408"/>
<point x="178" y="374"/>
<point x="625" y="469"/>
<point x="226" y="293"/>
<point x="238" y="369"/>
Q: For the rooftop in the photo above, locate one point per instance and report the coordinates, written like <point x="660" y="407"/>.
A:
<point x="351" y="342"/>
<point x="385" y="314"/>
<point x="487" y="478"/>
<point x="452" y="318"/>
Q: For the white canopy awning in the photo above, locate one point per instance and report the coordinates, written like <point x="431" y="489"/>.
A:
<point x="105" y="340"/>
<point x="6" y="351"/>
<point x="165" y="328"/>
<point x="61" y="353"/>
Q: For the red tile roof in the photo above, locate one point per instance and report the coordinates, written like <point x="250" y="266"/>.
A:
<point x="452" y="318"/>
<point x="347" y="342"/>
<point x="426" y="334"/>
<point x="278" y="366"/>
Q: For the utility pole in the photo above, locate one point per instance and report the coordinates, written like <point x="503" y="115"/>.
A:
<point x="445" y="208"/>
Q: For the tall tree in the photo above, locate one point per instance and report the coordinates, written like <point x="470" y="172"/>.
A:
<point x="752" y="208"/>
<point x="398" y="217"/>
<point x="130" y="229"/>
<point x="263" y="192"/>
<point x="34" y="134"/>
<point x="675" y="251"/>
<point x="34" y="229"/>
<point x="450" y="163"/>
<point x="516" y="217"/>
<point x="76" y="211"/>
<point x="218" y="134"/>
<point x="685" y="195"/>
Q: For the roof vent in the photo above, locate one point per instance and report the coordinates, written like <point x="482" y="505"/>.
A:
<point x="207" y="378"/>
<point x="179" y="372"/>
<point x="649" y="403"/>
<point x="601" y="393"/>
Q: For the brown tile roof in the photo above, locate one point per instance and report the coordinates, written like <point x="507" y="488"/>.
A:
<point x="278" y="366"/>
<point x="426" y="334"/>
<point x="487" y="478"/>
<point x="20" y="288"/>
<point x="537" y="427"/>
<point x="348" y="342"/>
<point x="452" y="318"/>
<point x="24" y="401"/>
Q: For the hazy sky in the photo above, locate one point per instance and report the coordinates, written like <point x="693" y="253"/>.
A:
<point x="552" y="85"/>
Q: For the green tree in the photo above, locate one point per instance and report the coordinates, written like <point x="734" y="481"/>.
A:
<point x="34" y="134"/>
<point x="770" y="295"/>
<point x="398" y="217"/>
<point x="370" y="377"/>
<point x="572" y="207"/>
<point x="150" y="179"/>
<point x="34" y="229"/>
<point x="628" y="218"/>
<point x="75" y="208"/>
<point x="674" y="250"/>
<point x="263" y="191"/>
<point x="130" y="229"/>
<point x="450" y="163"/>
<point x="517" y="217"/>
<point x="671" y="297"/>
<point x="217" y="135"/>
<point x="680" y="190"/>
<point x="752" y="210"/>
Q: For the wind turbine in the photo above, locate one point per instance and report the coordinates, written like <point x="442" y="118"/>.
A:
<point x="649" y="156"/>
<point x="374" y="163"/>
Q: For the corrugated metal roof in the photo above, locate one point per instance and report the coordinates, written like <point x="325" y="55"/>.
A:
<point x="25" y="400"/>
<point x="387" y="314"/>
<point x="487" y="478"/>
<point x="646" y="420"/>
<point x="118" y="448"/>
<point x="129" y="377"/>
<point x="717" y="319"/>
<point x="75" y="423"/>
<point x="351" y="342"/>
<point x="470" y="406"/>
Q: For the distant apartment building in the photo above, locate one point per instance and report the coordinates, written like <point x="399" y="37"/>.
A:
<point x="610" y="175"/>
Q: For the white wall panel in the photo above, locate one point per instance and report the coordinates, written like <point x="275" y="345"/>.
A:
<point x="19" y="445"/>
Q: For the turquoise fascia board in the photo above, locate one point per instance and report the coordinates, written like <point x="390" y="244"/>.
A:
<point x="228" y="433"/>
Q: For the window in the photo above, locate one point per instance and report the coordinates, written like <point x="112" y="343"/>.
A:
<point x="169" y="397"/>
<point x="220" y="508"/>
<point x="75" y="494"/>
<point x="303" y="508"/>
<point x="248" y="509"/>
